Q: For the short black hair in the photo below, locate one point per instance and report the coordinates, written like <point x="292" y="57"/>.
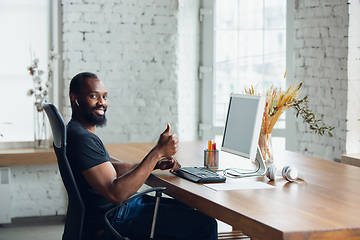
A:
<point x="77" y="81"/>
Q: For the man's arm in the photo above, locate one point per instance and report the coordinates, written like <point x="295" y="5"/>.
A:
<point x="165" y="163"/>
<point x="123" y="167"/>
<point x="117" y="187"/>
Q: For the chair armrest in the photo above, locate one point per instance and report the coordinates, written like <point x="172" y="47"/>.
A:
<point x="155" y="189"/>
<point x="117" y="236"/>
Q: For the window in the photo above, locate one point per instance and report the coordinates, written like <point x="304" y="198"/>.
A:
<point x="249" y="48"/>
<point x="27" y="24"/>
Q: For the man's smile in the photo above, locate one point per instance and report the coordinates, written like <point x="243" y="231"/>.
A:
<point x="99" y="110"/>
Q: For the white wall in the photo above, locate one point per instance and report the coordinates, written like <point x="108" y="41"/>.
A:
<point x="188" y="62"/>
<point x="135" y="49"/>
<point x="37" y="190"/>
<point x="353" y="109"/>
<point x="321" y="56"/>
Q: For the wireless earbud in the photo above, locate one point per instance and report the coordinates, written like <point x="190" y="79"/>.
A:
<point x="77" y="103"/>
<point x="288" y="173"/>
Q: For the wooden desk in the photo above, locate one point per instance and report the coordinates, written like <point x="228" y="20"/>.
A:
<point x="325" y="206"/>
<point x="27" y="156"/>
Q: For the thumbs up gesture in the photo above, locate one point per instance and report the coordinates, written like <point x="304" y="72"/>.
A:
<point x="167" y="144"/>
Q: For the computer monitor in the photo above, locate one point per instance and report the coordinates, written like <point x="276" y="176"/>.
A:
<point x="242" y="130"/>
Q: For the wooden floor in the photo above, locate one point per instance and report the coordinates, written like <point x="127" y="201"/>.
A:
<point x="234" y="235"/>
<point x="227" y="233"/>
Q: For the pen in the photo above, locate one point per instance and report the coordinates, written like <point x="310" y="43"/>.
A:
<point x="212" y="155"/>
<point x="216" y="157"/>
<point x="208" y="156"/>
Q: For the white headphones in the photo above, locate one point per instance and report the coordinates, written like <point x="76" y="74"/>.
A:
<point x="77" y="103"/>
<point x="288" y="173"/>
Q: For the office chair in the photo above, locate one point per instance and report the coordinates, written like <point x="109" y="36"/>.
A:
<point x="76" y="208"/>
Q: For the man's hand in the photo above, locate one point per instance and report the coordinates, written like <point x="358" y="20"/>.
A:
<point x="168" y="163"/>
<point x="167" y="144"/>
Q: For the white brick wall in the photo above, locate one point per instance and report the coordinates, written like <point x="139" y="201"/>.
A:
<point x="37" y="190"/>
<point x="321" y="58"/>
<point x="133" y="46"/>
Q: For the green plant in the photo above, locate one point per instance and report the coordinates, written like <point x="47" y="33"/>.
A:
<point x="301" y="107"/>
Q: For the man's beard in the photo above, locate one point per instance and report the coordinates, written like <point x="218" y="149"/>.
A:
<point x="99" y="121"/>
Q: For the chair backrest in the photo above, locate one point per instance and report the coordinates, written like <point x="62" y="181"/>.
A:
<point x="76" y="209"/>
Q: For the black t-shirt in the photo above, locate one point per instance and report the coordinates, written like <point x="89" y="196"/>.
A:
<point x="85" y="150"/>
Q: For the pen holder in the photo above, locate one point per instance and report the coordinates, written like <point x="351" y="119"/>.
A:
<point x="211" y="158"/>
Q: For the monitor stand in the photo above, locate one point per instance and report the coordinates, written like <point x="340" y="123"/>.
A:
<point x="260" y="166"/>
<point x="260" y="163"/>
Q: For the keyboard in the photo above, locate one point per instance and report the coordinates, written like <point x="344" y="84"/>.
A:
<point x="199" y="175"/>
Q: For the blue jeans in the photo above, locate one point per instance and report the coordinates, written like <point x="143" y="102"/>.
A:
<point x="174" y="219"/>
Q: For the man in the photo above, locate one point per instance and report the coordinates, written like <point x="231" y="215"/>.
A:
<point x="103" y="184"/>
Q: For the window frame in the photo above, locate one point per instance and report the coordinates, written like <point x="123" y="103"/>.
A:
<point x="207" y="128"/>
<point x="54" y="15"/>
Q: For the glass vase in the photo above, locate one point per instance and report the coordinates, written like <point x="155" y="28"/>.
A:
<point x="40" y="129"/>
<point x="266" y="148"/>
